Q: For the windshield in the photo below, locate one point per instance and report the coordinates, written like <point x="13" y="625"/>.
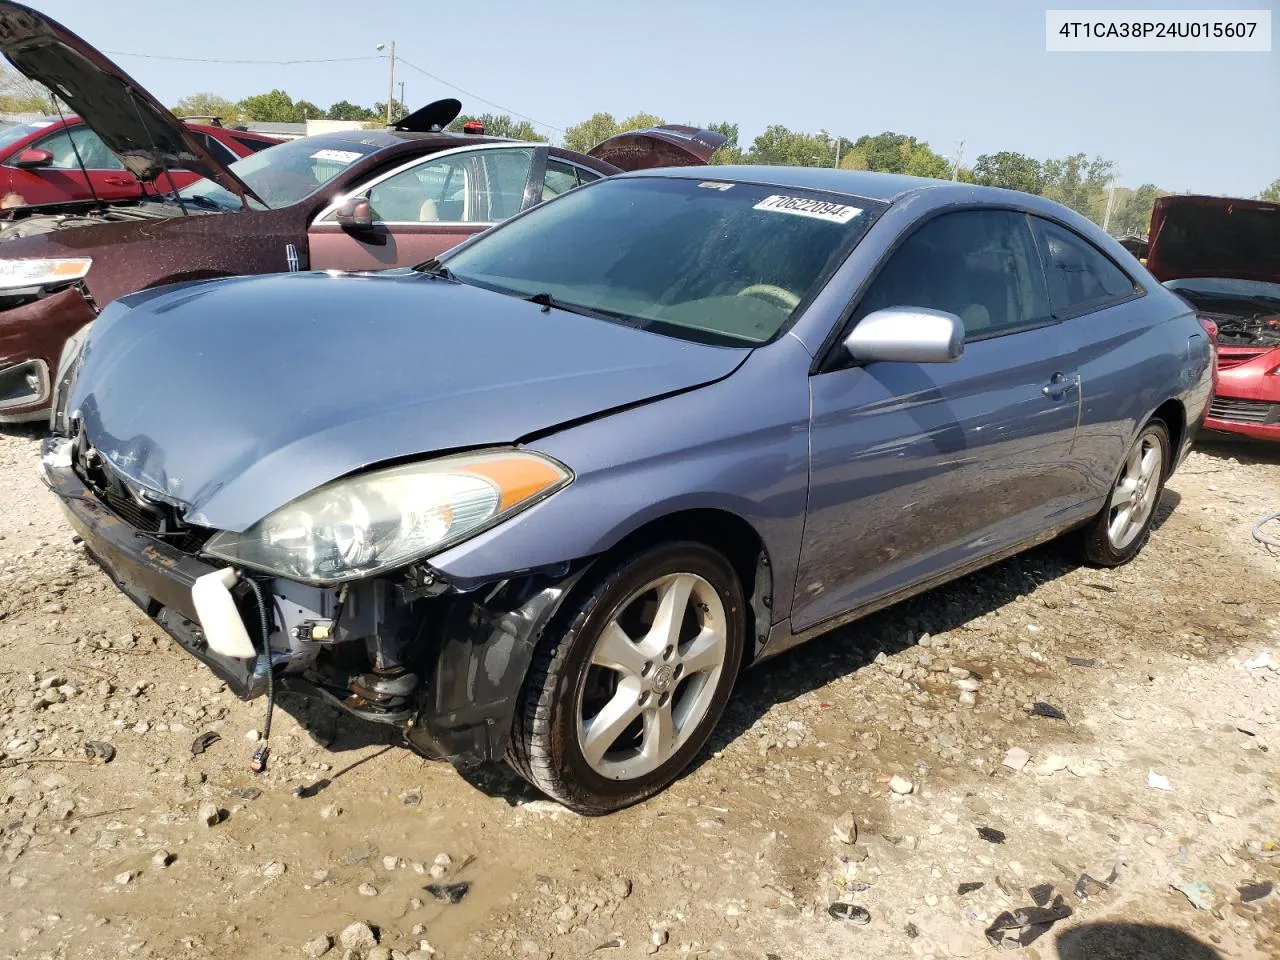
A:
<point x="706" y="260"/>
<point x="285" y="173"/>
<point x="11" y="135"/>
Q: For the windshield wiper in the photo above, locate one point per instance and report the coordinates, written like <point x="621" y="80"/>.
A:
<point x="434" y="268"/>
<point x="200" y="201"/>
<point x="549" y="302"/>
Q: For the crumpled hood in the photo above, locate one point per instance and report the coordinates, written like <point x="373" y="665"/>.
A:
<point x="236" y="396"/>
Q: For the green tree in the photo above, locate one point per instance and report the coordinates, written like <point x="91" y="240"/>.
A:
<point x="639" y="122"/>
<point x="18" y="94"/>
<point x="1079" y="183"/>
<point x="782" y="146"/>
<point x="500" y="125"/>
<point x="601" y="126"/>
<point x="585" y="135"/>
<point x="891" y="152"/>
<point x="1013" y="171"/>
<point x="306" y="110"/>
<point x="1131" y="211"/>
<point x="730" y="152"/>
<point x="274" y="107"/>
<point x="346" y="110"/>
<point x="398" y="111"/>
<point x="1272" y="192"/>
<point x="207" y="105"/>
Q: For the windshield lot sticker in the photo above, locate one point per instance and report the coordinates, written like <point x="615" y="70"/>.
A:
<point x="337" y="156"/>
<point x="715" y="185"/>
<point x="804" y="207"/>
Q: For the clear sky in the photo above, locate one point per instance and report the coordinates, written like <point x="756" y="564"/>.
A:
<point x="941" y="70"/>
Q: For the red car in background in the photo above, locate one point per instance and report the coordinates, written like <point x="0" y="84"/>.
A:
<point x="38" y="161"/>
<point x="1223" y="255"/>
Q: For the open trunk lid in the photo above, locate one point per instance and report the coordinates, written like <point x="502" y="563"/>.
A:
<point x="131" y="122"/>
<point x="671" y="145"/>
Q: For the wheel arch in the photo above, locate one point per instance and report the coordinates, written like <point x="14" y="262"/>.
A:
<point x="729" y="534"/>
<point x="1174" y="416"/>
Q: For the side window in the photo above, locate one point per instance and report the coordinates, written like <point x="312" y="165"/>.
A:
<point x="560" y="178"/>
<point x="588" y="176"/>
<point x="481" y="186"/>
<point x="252" y="144"/>
<point x="504" y="174"/>
<point x="980" y="265"/>
<point x="1081" y="277"/>
<point x="221" y="152"/>
<point x="431" y="192"/>
<point x="93" y="151"/>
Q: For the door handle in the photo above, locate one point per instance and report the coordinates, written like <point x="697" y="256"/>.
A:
<point x="117" y="181"/>
<point x="1061" y="384"/>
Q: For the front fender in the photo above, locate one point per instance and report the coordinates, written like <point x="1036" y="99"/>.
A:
<point x="739" y="446"/>
<point x="482" y="646"/>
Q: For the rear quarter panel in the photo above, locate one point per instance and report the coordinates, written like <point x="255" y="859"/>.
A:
<point x="1132" y="358"/>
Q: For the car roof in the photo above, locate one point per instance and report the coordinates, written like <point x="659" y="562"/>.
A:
<point x="392" y="138"/>
<point x="858" y="183"/>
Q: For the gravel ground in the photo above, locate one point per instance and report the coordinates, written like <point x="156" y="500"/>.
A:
<point x="900" y="769"/>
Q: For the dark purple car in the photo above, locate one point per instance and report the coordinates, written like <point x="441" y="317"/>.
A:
<point x="362" y="199"/>
<point x="543" y="498"/>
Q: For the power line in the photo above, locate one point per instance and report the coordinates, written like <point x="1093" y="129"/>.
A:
<point x="287" y="63"/>
<point x="474" y="96"/>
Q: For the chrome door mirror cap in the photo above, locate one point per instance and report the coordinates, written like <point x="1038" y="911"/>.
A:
<point x="907" y="335"/>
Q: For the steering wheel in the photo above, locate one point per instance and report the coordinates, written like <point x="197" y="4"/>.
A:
<point x="769" y="291"/>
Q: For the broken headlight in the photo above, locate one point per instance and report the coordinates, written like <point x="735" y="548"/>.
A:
<point x="386" y="518"/>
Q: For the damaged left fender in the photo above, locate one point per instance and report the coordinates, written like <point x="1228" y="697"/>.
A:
<point x="480" y="651"/>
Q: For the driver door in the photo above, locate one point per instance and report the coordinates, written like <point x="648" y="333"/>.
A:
<point x="63" y="179"/>
<point x="423" y="209"/>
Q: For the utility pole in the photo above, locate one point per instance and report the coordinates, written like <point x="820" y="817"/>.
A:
<point x="1111" y="202"/>
<point x="391" y="77"/>
<point x="402" y="108"/>
<point x="838" y="139"/>
<point x="955" y="167"/>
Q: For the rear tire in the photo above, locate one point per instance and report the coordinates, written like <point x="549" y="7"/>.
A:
<point x="631" y="678"/>
<point x="1121" y="529"/>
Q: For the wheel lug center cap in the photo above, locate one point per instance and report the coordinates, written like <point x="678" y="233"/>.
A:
<point x="663" y="678"/>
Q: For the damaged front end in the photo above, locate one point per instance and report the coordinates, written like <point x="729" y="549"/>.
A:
<point x="469" y="645"/>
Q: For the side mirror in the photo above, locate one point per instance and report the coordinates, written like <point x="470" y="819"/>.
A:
<point x="354" y="213"/>
<point x="907" y="335"/>
<point x="32" y="158"/>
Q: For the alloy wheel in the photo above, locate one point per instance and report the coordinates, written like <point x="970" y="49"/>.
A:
<point x="652" y="677"/>
<point x="1135" y="493"/>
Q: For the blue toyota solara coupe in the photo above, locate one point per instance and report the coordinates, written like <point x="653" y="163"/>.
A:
<point x="544" y="497"/>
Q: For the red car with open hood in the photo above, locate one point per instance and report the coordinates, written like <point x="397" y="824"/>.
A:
<point x="1223" y="255"/>
<point x="357" y="200"/>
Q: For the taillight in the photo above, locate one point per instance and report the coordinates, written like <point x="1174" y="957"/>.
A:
<point x="1210" y="327"/>
<point x="473" y="126"/>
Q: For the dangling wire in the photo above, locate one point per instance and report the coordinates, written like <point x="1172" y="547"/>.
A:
<point x="259" y="762"/>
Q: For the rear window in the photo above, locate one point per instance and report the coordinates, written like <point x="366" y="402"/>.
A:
<point x="706" y="260"/>
<point x="252" y="144"/>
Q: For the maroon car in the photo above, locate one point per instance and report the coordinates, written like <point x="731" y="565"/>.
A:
<point x="359" y="200"/>
<point x="56" y="159"/>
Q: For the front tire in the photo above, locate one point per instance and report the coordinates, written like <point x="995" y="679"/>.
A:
<point x="631" y="678"/>
<point x="1115" y="536"/>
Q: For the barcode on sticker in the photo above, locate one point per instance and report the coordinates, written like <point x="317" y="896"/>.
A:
<point x="804" y="207"/>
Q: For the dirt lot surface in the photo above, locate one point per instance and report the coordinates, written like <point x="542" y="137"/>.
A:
<point x="1162" y="782"/>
